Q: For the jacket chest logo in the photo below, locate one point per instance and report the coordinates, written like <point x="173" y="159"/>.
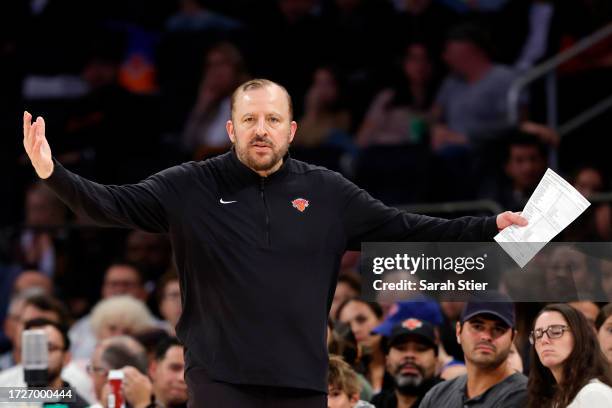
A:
<point x="300" y="204"/>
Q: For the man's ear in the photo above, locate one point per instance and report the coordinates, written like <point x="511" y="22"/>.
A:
<point x="293" y="129"/>
<point x="354" y="398"/>
<point x="458" y="332"/>
<point x="229" y="126"/>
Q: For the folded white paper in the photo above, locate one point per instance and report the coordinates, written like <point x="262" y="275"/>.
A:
<point x="551" y="208"/>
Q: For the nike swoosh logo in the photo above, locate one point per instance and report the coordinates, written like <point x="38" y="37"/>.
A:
<point x="226" y="202"/>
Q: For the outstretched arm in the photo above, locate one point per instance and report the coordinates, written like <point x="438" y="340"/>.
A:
<point x="143" y="205"/>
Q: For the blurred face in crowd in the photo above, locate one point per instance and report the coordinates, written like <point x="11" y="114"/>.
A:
<point x="261" y="128"/>
<point x="123" y="280"/>
<point x="553" y="352"/>
<point x="567" y="271"/>
<point x="362" y="321"/>
<point x="343" y="293"/>
<point x="168" y="377"/>
<point x="98" y="371"/>
<point x="340" y="399"/>
<point x="114" y="327"/>
<point x="589" y="181"/>
<point x="460" y="56"/>
<point x="604" y="335"/>
<point x="170" y="306"/>
<point x="514" y="359"/>
<point x="32" y="279"/>
<point x="42" y="208"/>
<point x="525" y="167"/>
<point x="151" y="250"/>
<point x="326" y="87"/>
<point x="606" y="278"/>
<point x="485" y="340"/>
<point x="58" y="357"/>
<point x="220" y="72"/>
<point x="417" y="66"/>
<point x="411" y="362"/>
<point x="589" y="309"/>
<point x="32" y="312"/>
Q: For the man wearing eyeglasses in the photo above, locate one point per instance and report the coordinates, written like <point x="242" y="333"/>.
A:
<point x="486" y="331"/>
<point x="59" y="357"/>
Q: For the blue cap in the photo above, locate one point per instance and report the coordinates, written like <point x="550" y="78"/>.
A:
<point x="493" y="303"/>
<point x="427" y="310"/>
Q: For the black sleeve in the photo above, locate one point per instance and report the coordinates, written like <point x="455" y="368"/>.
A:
<point x="145" y="205"/>
<point x="369" y="220"/>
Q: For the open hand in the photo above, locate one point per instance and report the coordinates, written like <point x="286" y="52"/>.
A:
<point x="36" y="145"/>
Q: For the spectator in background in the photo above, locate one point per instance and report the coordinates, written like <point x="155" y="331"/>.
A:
<point x="363" y="317"/>
<point x="32" y="279"/>
<point x="412" y="356"/>
<point x="343" y="386"/>
<point x="570" y="275"/>
<point x="112" y="354"/>
<point x="471" y="104"/>
<point x="121" y="278"/>
<point x="427" y="310"/>
<point x="120" y="315"/>
<point x="152" y="253"/>
<point x="589" y="310"/>
<point x="595" y="224"/>
<point x="10" y="326"/>
<point x="525" y="162"/>
<point x="604" y="331"/>
<point x="167" y="374"/>
<point x="326" y="119"/>
<point x="348" y="287"/>
<point x="43" y="213"/>
<point x="224" y="70"/>
<point x="485" y="331"/>
<point x="58" y="356"/>
<point x="169" y="298"/>
<point x="399" y="115"/>
<point x="341" y="341"/>
<point x="568" y="368"/>
<point x="41" y="306"/>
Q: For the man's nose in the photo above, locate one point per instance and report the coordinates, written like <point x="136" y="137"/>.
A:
<point x="261" y="127"/>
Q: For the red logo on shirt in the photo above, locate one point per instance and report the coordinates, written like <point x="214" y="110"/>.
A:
<point x="300" y="204"/>
<point x="412" y="324"/>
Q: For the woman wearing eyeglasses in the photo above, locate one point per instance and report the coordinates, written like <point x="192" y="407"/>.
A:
<point x="568" y="368"/>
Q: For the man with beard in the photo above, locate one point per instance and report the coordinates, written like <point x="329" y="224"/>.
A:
<point x="58" y="358"/>
<point x="248" y="227"/>
<point x="411" y="359"/>
<point x="485" y="331"/>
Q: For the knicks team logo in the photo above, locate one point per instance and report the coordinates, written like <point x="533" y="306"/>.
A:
<point x="300" y="204"/>
<point x="412" y="324"/>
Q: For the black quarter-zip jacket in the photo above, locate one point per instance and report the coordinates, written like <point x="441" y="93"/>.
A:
<point x="257" y="275"/>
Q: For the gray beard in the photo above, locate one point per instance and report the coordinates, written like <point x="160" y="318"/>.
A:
<point x="408" y="384"/>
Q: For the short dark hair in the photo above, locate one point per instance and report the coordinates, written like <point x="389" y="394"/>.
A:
<point x="259" y="83"/>
<point x="132" y="265"/>
<point x="164" y="345"/>
<point x="48" y="303"/>
<point x="42" y="322"/>
<point x="473" y="34"/>
<point x="517" y="137"/>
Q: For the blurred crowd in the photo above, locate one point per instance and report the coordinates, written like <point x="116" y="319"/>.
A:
<point x="407" y="98"/>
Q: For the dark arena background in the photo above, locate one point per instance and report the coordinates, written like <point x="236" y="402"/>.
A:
<point x="439" y="107"/>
